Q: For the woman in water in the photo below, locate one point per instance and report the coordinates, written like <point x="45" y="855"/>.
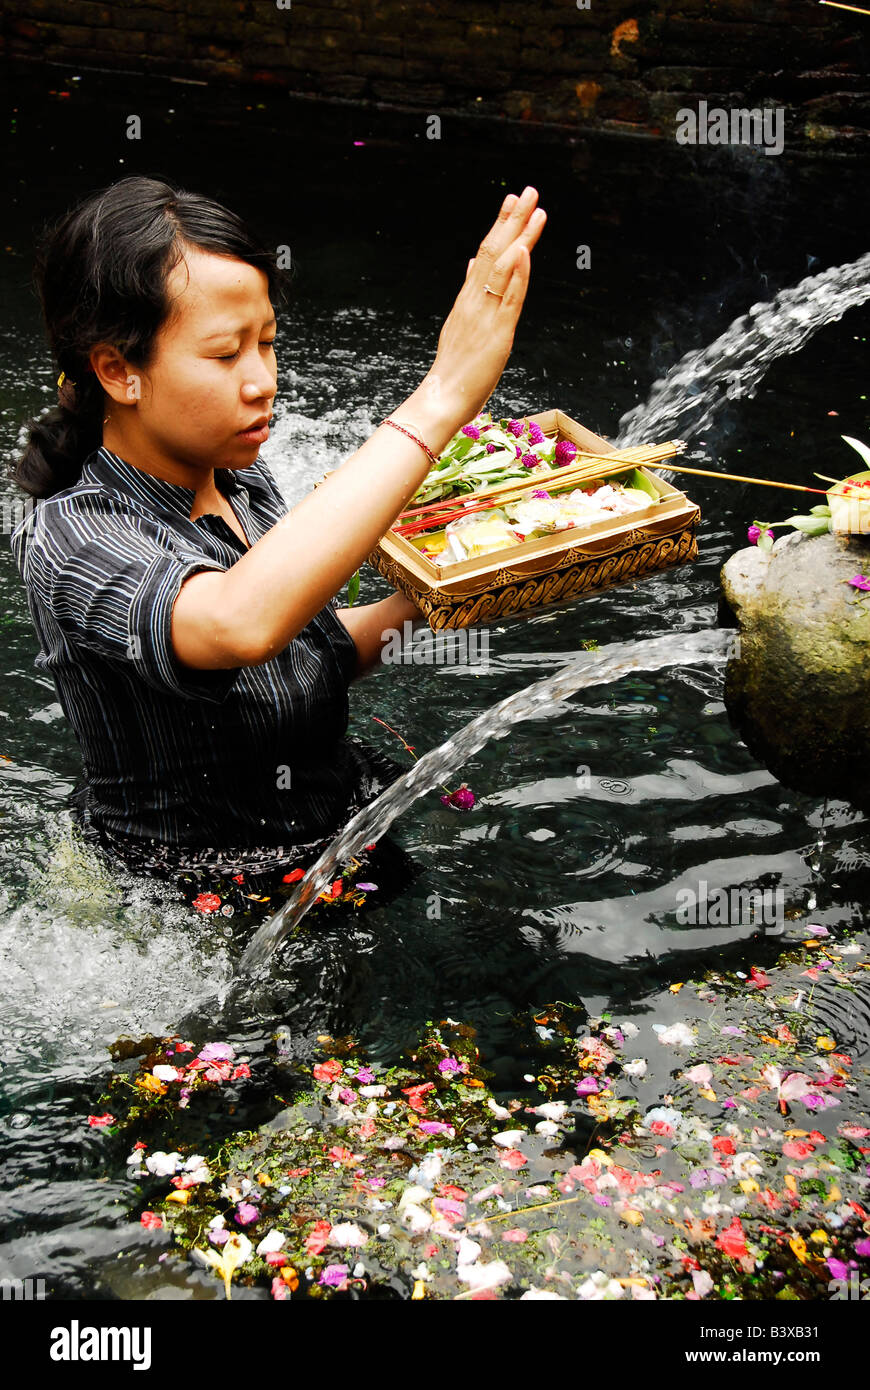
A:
<point x="188" y="620"/>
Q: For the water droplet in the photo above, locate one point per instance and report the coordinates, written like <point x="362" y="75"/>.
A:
<point x="18" y="1120"/>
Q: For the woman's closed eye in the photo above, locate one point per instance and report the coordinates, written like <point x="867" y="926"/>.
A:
<point x="231" y="356"/>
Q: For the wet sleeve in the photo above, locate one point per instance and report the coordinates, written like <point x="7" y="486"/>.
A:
<point x="110" y="576"/>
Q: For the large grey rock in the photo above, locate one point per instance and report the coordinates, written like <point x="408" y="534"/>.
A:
<point x="798" y="690"/>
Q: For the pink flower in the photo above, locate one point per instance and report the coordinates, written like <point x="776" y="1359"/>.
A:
<point x="860" y="581"/>
<point x="334" y="1276"/>
<point x="518" y="1235"/>
<point x="347" y="1095"/>
<point x="471" y="431"/>
<point x="587" y="1087"/>
<point x="514" y="427"/>
<point x="448" y="1064"/>
<point x="490" y="448"/>
<point x="365" y="1075"/>
<point x="280" y="1290"/>
<point x="513" y="1159"/>
<point x="530" y="460"/>
<point x="434" y="1127"/>
<point x="566" y="452"/>
<point x="100" y="1121"/>
<point x="368" y="887"/>
<point x="462" y="799"/>
<point x="753" y="535"/>
<point x="217" y="1052"/>
<point x="246" y="1213"/>
<point x="536" y="434"/>
<point x="540" y="492"/>
<point x="151" y="1221"/>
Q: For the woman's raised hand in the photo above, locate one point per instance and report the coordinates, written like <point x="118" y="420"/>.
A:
<point x="476" y="339"/>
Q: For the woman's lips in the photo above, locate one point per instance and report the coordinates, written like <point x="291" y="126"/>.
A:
<point x="255" y="436"/>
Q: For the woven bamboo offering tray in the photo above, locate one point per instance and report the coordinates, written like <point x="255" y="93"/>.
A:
<point x="570" y="563"/>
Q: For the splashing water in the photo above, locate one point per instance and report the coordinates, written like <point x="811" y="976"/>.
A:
<point x="733" y="365"/>
<point x="541" y="700"/>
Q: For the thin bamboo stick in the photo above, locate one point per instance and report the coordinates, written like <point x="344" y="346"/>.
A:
<point x="836" y="5"/>
<point x="764" y="482"/>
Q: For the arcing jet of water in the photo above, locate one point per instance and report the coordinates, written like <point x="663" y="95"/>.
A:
<point x="541" y="700"/>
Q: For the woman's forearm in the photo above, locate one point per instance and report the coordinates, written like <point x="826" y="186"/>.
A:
<point x="311" y="553"/>
<point x="371" y="625"/>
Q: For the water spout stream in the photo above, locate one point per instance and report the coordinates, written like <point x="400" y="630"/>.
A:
<point x="686" y="399"/>
<point x="541" y="700"/>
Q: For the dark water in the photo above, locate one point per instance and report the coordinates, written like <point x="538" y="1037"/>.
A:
<point x="545" y="890"/>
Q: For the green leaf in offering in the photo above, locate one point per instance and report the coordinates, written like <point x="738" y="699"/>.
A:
<point x="810" y="525"/>
<point x="352" y="589"/>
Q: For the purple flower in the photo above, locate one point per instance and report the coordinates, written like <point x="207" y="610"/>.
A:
<point x="587" y="1087"/>
<point x="540" y="492"/>
<point x="347" y="1095"/>
<point x="217" y="1052"/>
<point x="448" y="1064"/>
<point x="536" y="434"/>
<point x="246" y="1213"/>
<point x="530" y="460"/>
<point x="860" y="581"/>
<point x="813" y="1101"/>
<point x="837" y="1268"/>
<point x="471" y="431"/>
<point x="365" y="1075"/>
<point x="699" y="1178"/>
<point x="514" y="427"/>
<point x="602" y="1200"/>
<point x="862" y="1247"/>
<point x="519" y="451"/>
<point x="565" y="452"/>
<point x="368" y="887"/>
<point x="462" y="798"/>
<point x="434" y="1127"/>
<point x="333" y="1276"/>
<point x="490" y="448"/>
<point x="218" y="1237"/>
<point x="753" y="535"/>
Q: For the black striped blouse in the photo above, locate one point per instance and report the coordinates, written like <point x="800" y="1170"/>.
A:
<point x="199" y="760"/>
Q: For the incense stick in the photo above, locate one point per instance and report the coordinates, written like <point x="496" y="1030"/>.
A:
<point x="836" y="5"/>
<point x="763" y="482"/>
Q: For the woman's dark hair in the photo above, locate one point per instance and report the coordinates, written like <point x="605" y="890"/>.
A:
<point x="101" y="273"/>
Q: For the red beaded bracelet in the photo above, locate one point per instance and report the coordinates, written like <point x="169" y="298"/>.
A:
<point x="416" y="438"/>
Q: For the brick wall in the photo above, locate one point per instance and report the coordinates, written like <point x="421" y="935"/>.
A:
<point x="619" y="64"/>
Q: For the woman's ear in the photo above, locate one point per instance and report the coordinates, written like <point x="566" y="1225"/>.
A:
<point x="115" y="375"/>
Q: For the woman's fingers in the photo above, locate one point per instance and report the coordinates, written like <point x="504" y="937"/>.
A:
<point x="509" y="224"/>
<point x="528" y="237"/>
<point x="515" y="289"/>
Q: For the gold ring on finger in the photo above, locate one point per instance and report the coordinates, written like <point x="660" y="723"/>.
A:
<point x="489" y="290"/>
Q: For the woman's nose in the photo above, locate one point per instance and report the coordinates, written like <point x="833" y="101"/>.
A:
<point x="262" y="386"/>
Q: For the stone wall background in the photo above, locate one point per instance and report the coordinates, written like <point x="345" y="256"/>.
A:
<point x="619" y="65"/>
